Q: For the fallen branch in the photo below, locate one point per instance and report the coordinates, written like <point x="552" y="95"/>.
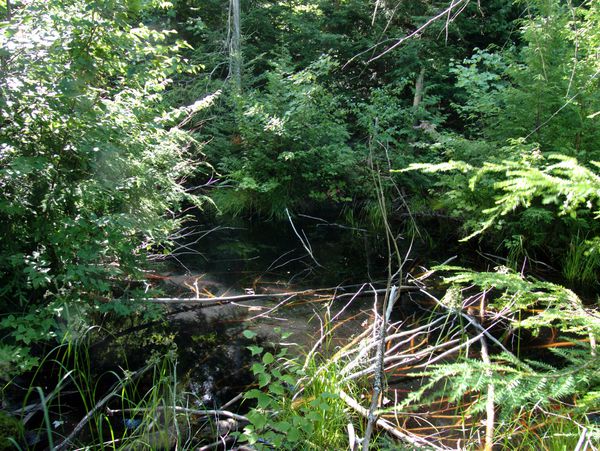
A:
<point x="362" y="352"/>
<point x="221" y="443"/>
<point x="177" y="409"/>
<point x="233" y="400"/>
<point x="116" y="389"/>
<point x="220" y="300"/>
<point x="416" y="442"/>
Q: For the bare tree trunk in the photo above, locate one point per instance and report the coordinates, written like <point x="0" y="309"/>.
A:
<point x="8" y="10"/>
<point x="416" y="102"/>
<point x="419" y="89"/>
<point x="235" y="51"/>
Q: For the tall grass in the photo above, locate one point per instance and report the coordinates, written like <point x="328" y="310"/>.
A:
<point x="582" y="262"/>
<point x="116" y="409"/>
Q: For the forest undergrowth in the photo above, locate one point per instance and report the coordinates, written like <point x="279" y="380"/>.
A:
<point x="127" y="124"/>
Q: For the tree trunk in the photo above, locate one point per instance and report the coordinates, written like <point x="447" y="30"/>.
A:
<point x="235" y="51"/>
<point x="419" y="89"/>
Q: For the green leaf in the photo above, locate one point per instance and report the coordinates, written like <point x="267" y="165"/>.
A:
<point x="252" y="394"/>
<point x="257" y="368"/>
<point x="289" y="379"/>
<point x="249" y="334"/>
<point x="255" y="350"/>
<point x="277" y="389"/>
<point x="314" y="416"/>
<point x="264" y="401"/>
<point x="293" y="435"/>
<point x="263" y="379"/>
<point x="283" y="426"/>
<point x="268" y="358"/>
<point x="259" y="420"/>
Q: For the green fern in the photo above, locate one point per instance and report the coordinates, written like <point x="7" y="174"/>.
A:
<point x="570" y="381"/>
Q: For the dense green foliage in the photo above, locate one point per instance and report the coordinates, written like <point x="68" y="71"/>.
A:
<point x="486" y="118"/>
<point x="313" y="115"/>
<point x="89" y="163"/>
<point x="291" y="149"/>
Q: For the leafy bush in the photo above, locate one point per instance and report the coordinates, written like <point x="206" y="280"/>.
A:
<point x="291" y="149"/>
<point x="88" y="162"/>
<point x="515" y="200"/>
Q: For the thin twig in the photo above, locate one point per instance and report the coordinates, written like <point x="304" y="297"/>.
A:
<point x="232" y="400"/>
<point x="489" y="405"/>
<point x="445" y="12"/>
<point x="304" y="241"/>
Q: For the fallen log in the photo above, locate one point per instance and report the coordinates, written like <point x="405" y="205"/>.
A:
<point x="219" y="300"/>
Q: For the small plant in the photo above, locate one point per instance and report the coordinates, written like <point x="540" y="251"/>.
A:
<point x="296" y="407"/>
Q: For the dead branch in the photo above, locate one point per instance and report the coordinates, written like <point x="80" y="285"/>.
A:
<point x="415" y="441"/>
<point x="218" y="300"/>
<point x="177" y="409"/>
<point x="414" y="33"/>
<point x="114" y="391"/>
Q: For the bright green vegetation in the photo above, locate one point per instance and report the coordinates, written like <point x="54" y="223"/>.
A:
<point x="90" y="163"/>
<point x="298" y="404"/>
<point x="121" y="121"/>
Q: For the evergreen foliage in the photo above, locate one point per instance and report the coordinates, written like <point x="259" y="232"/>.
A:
<point x="567" y="381"/>
<point x="291" y="149"/>
<point x="531" y="139"/>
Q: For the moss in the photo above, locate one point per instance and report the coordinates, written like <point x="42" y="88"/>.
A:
<point x="9" y="427"/>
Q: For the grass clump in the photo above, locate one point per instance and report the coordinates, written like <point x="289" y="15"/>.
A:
<point x="582" y="262"/>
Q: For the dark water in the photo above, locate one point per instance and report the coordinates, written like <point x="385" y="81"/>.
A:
<point x="266" y="258"/>
<point x="271" y="257"/>
<point x="212" y="360"/>
<point x="309" y="252"/>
